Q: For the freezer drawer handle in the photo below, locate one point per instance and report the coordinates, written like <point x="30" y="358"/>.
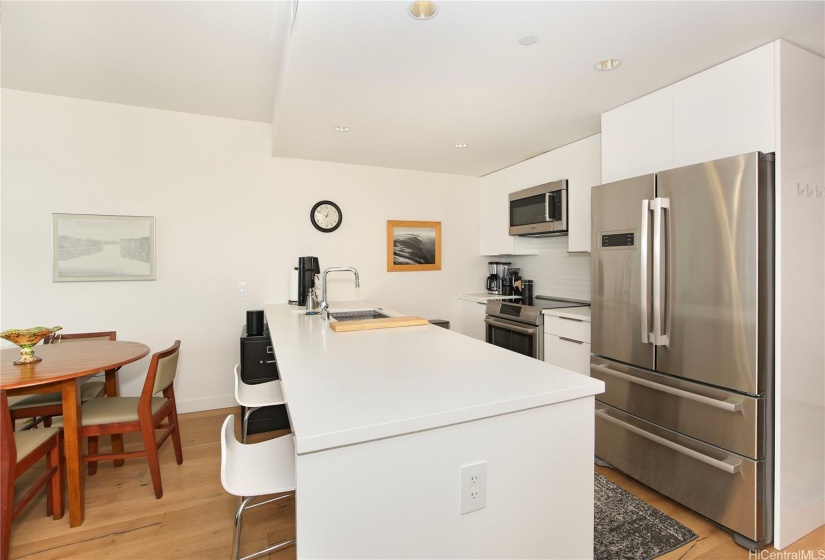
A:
<point x="721" y="465"/>
<point x="570" y="340"/>
<point x="724" y="405"/>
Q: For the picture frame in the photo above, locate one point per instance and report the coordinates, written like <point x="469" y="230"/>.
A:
<point x="413" y="246"/>
<point x="97" y="247"/>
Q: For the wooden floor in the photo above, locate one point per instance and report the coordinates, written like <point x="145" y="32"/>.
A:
<point x="194" y="517"/>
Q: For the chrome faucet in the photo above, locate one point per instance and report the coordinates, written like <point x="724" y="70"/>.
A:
<point x="324" y="304"/>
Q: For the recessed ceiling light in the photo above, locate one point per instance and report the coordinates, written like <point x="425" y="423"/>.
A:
<point x="424" y="9"/>
<point x="460" y="145"/>
<point x="528" y="39"/>
<point x="341" y="128"/>
<point x="608" y="64"/>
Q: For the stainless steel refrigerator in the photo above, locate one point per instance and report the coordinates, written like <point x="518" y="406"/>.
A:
<point x="682" y="336"/>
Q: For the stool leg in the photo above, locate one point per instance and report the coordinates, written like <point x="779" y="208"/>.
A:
<point x="245" y="425"/>
<point x="236" y="535"/>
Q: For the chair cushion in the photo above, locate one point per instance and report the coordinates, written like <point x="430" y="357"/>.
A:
<point x="115" y="409"/>
<point x="88" y="391"/>
<point x="27" y="440"/>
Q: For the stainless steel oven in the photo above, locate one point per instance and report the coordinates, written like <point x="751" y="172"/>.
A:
<point x="519" y="327"/>
<point x="518" y="337"/>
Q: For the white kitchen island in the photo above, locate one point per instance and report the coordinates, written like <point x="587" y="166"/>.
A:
<point x="384" y="420"/>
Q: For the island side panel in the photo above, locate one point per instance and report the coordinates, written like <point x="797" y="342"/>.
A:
<point x="400" y="497"/>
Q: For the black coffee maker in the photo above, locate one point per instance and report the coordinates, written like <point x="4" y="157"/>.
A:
<point x="308" y="267"/>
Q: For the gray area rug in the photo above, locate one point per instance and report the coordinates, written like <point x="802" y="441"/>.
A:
<point x="628" y="528"/>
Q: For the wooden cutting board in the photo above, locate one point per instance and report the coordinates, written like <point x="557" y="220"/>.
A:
<point x="368" y="324"/>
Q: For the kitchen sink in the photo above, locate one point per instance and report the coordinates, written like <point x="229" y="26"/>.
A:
<point x="357" y="315"/>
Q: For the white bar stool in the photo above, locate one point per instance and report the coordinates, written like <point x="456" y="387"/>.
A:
<point x="251" y="471"/>
<point x="255" y="396"/>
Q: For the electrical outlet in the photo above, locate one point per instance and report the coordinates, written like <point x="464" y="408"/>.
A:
<point x="242" y="289"/>
<point x="473" y="487"/>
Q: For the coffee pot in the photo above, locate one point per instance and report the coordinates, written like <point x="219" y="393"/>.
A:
<point x="494" y="284"/>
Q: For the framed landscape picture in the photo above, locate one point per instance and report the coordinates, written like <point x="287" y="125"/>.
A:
<point x="413" y="246"/>
<point x="90" y="247"/>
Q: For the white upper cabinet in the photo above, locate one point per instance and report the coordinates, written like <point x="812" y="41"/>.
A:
<point x="637" y="138"/>
<point x="494" y="213"/>
<point x="544" y="168"/>
<point x="584" y="170"/>
<point x="726" y="110"/>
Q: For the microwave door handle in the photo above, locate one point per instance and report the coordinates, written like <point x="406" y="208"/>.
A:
<point x="547" y="206"/>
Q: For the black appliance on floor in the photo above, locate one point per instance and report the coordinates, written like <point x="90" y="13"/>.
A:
<point x="258" y="365"/>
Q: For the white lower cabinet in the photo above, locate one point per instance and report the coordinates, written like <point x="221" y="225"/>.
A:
<point x="567" y="339"/>
<point x="471" y="316"/>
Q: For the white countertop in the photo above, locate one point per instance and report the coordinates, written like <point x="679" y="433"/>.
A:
<point x="350" y="387"/>
<point x="572" y="312"/>
<point x="484" y="297"/>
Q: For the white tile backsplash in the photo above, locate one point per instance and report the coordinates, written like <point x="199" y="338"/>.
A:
<point x="553" y="270"/>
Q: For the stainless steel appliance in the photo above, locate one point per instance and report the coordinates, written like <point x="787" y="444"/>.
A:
<point x="498" y="271"/>
<point x="519" y="327"/>
<point x="682" y="336"/>
<point x="539" y="211"/>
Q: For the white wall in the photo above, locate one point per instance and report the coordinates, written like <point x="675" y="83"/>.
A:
<point x="226" y="211"/>
<point x="554" y="271"/>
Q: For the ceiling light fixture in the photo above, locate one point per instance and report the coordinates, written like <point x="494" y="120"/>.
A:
<point x="460" y="145"/>
<point x="608" y="64"/>
<point x="424" y="9"/>
<point x="528" y="39"/>
<point x="341" y="128"/>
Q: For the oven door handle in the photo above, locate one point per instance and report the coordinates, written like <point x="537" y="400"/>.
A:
<point x="510" y="326"/>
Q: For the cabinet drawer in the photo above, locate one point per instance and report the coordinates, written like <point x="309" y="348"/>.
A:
<point x="258" y="360"/>
<point x="567" y="353"/>
<point x="577" y="329"/>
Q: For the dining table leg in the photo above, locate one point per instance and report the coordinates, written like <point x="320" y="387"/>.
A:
<point x="113" y="390"/>
<point x="72" y="444"/>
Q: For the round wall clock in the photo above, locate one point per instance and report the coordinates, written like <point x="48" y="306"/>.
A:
<point x="326" y="216"/>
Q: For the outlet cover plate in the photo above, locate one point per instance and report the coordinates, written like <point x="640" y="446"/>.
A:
<point x="473" y="487"/>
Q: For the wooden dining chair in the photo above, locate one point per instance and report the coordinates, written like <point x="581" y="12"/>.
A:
<point x="19" y="451"/>
<point x="43" y="406"/>
<point x="144" y="414"/>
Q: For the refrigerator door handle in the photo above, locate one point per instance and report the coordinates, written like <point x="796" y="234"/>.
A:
<point x="731" y="468"/>
<point x="644" y="243"/>
<point x="660" y="276"/>
<point x="716" y="403"/>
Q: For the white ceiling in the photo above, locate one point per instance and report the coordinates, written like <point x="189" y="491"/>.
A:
<point x="408" y="90"/>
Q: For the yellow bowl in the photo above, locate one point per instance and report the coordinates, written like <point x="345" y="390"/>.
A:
<point x="26" y="339"/>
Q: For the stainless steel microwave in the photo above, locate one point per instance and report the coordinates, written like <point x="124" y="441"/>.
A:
<point x="539" y="211"/>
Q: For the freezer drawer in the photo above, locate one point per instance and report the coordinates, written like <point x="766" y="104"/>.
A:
<point x="728" y="420"/>
<point x="722" y="486"/>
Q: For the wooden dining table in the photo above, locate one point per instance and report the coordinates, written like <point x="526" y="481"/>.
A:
<point x="63" y="368"/>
